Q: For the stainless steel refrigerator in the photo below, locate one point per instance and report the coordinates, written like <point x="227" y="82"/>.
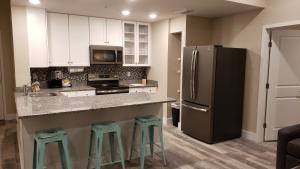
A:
<point x="212" y="93"/>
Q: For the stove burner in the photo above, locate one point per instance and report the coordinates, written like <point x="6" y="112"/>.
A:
<point x="104" y="84"/>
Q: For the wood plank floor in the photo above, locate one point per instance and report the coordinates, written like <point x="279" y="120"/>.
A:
<point x="182" y="152"/>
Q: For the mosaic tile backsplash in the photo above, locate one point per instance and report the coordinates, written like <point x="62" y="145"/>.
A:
<point x="118" y="70"/>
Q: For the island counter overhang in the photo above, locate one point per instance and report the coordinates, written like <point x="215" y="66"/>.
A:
<point x="75" y="115"/>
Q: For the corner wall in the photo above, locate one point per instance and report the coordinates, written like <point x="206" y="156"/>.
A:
<point x="8" y="59"/>
<point x="159" y="60"/>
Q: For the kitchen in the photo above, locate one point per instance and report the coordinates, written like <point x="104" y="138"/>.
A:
<point x="81" y="73"/>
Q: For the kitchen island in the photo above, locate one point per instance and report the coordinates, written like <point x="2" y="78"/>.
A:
<point x="75" y="115"/>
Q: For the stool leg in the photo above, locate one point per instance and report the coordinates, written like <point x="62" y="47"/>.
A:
<point x="66" y="153"/>
<point x="90" y="149"/>
<point x="35" y="154"/>
<point x="151" y="138"/>
<point x="41" y="154"/>
<point x="112" y="146"/>
<point x="132" y="141"/>
<point x="142" y="147"/>
<point x="99" y="141"/>
<point x="62" y="154"/>
<point x="121" y="149"/>
<point x="162" y="144"/>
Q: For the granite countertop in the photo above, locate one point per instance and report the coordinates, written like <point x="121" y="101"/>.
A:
<point x="28" y="106"/>
<point x="131" y="83"/>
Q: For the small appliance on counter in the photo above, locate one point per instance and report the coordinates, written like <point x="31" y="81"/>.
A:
<point x="55" y="79"/>
<point x="66" y="83"/>
<point x="105" y="84"/>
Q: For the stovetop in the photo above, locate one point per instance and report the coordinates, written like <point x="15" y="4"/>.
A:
<point x="105" y="84"/>
<point x="108" y="87"/>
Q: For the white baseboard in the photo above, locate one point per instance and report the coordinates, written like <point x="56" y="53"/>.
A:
<point x="11" y="116"/>
<point x="249" y="135"/>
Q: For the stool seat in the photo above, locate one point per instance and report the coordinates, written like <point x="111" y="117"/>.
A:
<point x="50" y="133"/>
<point x="147" y="119"/>
<point x="106" y="127"/>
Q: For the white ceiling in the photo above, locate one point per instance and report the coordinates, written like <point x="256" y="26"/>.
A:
<point x="141" y="8"/>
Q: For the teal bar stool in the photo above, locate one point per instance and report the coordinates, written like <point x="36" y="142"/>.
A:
<point x="42" y="138"/>
<point x="147" y="123"/>
<point x="97" y="133"/>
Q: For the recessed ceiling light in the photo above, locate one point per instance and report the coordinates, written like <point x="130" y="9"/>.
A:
<point x="152" y="16"/>
<point x="125" y="12"/>
<point x="35" y="2"/>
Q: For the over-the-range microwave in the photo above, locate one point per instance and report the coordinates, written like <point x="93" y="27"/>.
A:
<point x="106" y="54"/>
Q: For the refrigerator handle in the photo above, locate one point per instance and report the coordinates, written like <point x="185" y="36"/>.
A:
<point x="194" y="73"/>
<point x="195" y="108"/>
<point x="192" y="76"/>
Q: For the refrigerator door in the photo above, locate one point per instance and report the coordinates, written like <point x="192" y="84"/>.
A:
<point x="197" y="121"/>
<point x="198" y="74"/>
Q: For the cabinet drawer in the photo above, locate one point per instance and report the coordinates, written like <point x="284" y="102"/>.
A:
<point x="86" y="93"/>
<point x="143" y="89"/>
<point x="79" y="93"/>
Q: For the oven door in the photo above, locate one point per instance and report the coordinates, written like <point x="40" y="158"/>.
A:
<point x="106" y="55"/>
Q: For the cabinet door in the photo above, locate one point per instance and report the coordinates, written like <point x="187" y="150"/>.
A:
<point x="79" y="40"/>
<point x="114" y="32"/>
<point x="97" y="31"/>
<point x="129" y="44"/>
<point x="37" y="37"/>
<point x="58" y="39"/>
<point x="143" y="37"/>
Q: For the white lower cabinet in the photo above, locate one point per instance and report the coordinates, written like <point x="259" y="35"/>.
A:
<point x="143" y="89"/>
<point x="79" y="93"/>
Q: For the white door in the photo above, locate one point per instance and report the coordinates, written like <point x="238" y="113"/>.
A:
<point x="58" y="38"/>
<point x="114" y="32"/>
<point x="97" y="31"/>
<point x="1" y="82"/>
<point x="79" y="40"/>
<point x="283" y="104"/>
<point x="37" y="37"/>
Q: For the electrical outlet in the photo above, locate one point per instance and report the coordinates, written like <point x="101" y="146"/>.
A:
<point x="128" y="74"/>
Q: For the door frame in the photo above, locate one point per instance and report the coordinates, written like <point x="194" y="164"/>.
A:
<point x="263" y="75"/>
<point x="2" y="116"/>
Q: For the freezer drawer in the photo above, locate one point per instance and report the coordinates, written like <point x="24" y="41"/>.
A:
<point x="197" y="121"/>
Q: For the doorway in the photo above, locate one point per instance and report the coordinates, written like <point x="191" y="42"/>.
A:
<point x="283" y="95"/>
<point x="2" y="108"/>
<point x="279" y="83"/>
<point x="174" y="68"/>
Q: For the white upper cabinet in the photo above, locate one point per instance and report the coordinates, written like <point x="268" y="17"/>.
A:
<point x="143" y="52"/>
<point x="37" y="37"/>
<point x="58" y="39"/>
<point x="114" y="32"/>
<point x="79" y="40"/>
<point x="105" y="31"/>
<point x="97" y="31"/>
<point x="136" y="43"/>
